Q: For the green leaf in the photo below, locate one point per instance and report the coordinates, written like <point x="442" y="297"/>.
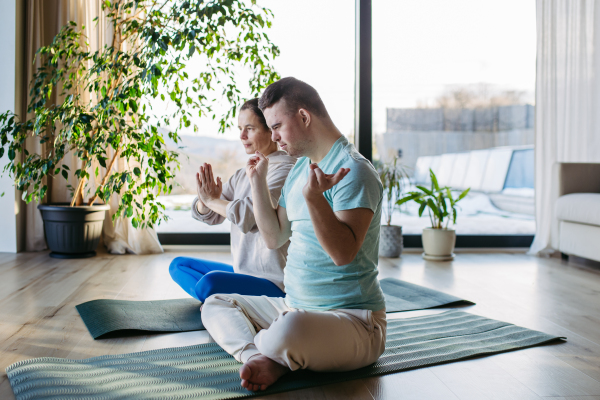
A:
<point x="137" y="171"/>
<point x="463" y="194"/>
<point x="434" y="180"/>
<point x="133" y="104"/>
<point x="434" y="208"/>
<point x="408" y="198"/>
<point x="443" y="202"/>
<point x="423" y="188"/>
<point x="422" y="208"/>
<point x="449" y="194"/>
<point x="65" y="174"/>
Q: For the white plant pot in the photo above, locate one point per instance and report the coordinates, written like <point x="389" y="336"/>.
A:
<point x="438" y="244"/>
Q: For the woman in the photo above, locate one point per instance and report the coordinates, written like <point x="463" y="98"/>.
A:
<point x="256" y="270"/>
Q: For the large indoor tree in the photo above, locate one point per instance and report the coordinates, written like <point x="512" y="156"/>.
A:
<point x="120" y="101"/>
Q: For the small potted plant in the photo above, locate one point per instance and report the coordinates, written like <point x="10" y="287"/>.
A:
<point x="393" y="177"/>
<point x="438" y="241"/>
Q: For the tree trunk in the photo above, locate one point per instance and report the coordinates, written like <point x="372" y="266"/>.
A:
<point x="78" y="195"/>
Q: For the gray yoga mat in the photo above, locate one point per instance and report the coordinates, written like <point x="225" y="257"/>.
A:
<point x="205" y="371"/>
<point x="405" y="296"/>
<point x="116" y="318"/>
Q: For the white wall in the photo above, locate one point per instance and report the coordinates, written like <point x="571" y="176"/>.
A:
<point x="11" y="12"/>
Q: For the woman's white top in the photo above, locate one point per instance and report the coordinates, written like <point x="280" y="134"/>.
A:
<point x="250" y="254"/>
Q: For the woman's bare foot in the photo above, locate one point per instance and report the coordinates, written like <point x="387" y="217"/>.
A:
<point x="260" y="372"/>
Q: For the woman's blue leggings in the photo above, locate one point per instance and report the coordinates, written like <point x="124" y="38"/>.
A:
<point x="202" y="278"/>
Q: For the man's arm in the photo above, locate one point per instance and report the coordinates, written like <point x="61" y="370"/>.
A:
<point x="241" y="211"/>
<point x="341" y="234"/>
<point x="272" y="222"/>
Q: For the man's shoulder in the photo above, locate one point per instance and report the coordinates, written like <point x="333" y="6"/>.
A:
<point x="361" y="187"/>
<point x="360" y="167"/>
<point x="347" y="156"/>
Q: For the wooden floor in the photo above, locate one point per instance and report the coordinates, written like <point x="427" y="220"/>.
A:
<point x="38" y="295"/>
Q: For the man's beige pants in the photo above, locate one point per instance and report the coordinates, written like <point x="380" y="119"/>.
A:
<point x="336" y="340"/>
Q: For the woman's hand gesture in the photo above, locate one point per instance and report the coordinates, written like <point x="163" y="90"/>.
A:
<point x="208" y="189"/>
<point x="257" y="167"/>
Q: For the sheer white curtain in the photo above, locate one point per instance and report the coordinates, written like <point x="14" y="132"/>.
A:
<point x="567" y="122"/>
<point x="44" y="20"/>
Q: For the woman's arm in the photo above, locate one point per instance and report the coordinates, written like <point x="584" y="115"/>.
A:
<point x="200" y="207"/>
<point x="213" y="197"/>
<point x="219" y="206"/>
<point x="210" y="217"/>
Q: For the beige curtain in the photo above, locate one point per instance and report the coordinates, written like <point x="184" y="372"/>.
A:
<point x="44" y="20"/>
<point x="567" y="122"/>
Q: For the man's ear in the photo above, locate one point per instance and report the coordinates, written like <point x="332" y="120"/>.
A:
<point x="306" y="117"/>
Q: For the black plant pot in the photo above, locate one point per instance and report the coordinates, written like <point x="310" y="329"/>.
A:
<point x="73" y="232"/>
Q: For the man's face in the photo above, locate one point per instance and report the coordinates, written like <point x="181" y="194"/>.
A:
<point x="288" y="129"/>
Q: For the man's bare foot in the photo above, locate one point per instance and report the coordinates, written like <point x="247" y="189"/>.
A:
<point x="260" y="372"/>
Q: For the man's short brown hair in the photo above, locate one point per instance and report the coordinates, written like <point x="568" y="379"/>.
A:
<point x="297" y="95"/>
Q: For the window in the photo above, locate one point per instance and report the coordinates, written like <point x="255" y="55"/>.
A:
<point x="453" y="91"/>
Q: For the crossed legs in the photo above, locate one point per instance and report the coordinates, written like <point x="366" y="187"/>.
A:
<point x="272" y="339"/>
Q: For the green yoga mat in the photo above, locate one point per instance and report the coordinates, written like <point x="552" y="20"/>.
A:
<point x="116" y="318"/>
<point x="205" y="371"/>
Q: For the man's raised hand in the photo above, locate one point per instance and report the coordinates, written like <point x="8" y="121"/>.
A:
<point x="319" y="182"/>
<point x="208" y="189"/>
<point x="257" y="167"/>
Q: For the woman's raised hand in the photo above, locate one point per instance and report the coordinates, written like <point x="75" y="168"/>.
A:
<point x="208" y="189"/>
<point x="257" y="167"/>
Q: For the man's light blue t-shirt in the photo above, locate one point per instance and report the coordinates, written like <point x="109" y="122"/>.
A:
<point x="312" y="280"/>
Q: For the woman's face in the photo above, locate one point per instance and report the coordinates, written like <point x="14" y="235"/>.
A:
<point x="254" y="136"/>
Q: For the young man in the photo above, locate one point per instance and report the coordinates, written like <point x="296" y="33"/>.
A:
<point x="333" y="315"/>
